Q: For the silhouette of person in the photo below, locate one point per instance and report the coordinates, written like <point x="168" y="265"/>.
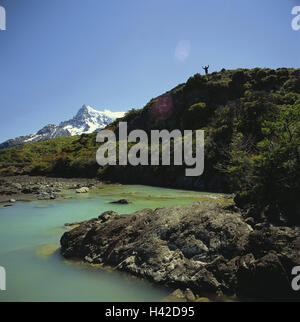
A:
<point x="206" y="69"/>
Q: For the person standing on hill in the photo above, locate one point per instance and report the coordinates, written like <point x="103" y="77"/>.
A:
<point x="206" y="69"/>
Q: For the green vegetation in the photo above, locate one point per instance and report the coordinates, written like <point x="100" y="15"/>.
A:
<point x="197" y="111"/>
<point x="252" y="123"/>
<point x="64" y="156"/>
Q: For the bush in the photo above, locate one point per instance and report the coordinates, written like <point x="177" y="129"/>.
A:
<point x="196" y="116"/>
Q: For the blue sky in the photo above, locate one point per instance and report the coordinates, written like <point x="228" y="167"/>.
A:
<point x="57" y="55"/>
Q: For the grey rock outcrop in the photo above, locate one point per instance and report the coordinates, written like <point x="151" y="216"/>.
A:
<point x="204" y="247"/>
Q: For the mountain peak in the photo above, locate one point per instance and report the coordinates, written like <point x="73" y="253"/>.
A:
<point x="85" y="109"/>
<point x="87" y="120"/>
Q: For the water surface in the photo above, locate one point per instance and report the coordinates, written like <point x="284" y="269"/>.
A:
<point x="29" y="242"/>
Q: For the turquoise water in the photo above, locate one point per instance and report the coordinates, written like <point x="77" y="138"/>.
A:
<point x="29" y="241"/>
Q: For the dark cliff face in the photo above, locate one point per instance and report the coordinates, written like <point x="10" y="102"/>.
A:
<point x="204" y="247"/>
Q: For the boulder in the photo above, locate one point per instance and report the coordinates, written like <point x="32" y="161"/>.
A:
<point x="83" y="190"/>
<point x="176" y="296"/>
<point x="202" y="247"/>
<point x="140" y="243"/>
<point x="121" y="202"/>
<point x="189" y="295"/>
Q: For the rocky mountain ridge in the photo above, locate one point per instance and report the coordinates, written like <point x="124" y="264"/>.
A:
<point x="87" y="120"/>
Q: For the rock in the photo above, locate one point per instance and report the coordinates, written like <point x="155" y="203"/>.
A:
<point x="27" y="190"/>
<point x="176" y="296"/>
<point x="139" y="243"/>
<point x="263" y="278"/>
<point x="186" y="296"/>
<point x="83" y="190"/>
<point x="17" y="186"/>
<point x="202" y="247"/>
<point x="250" y="221"/>
<point x="44" y="195"/>
<point x="107" y="216"/>
<point x="121" y="202"/>
<point x="69" y="224"/>
<point x="24" y="187"/>
<point x="86" y="223"/>
<point x="203" y="300"/>
<point x="88" y="259"/>
<point x="189" y="295"/>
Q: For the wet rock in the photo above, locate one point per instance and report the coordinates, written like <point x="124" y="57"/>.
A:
<point x="176" y="296"/>
<point x="121" y="202"/>
<point x="69" y="224"/>
<point x="139" y="243"/>
<point x="88" y="259"/>
<point x="203" y="300"/>
<point x="38" y="188"/>
<point x="189" y="295"/>
<point x="202" y="247"/>
<point x="107" y="216"/>
<point x="83" y="190"/>
<point x="46" y="196"/>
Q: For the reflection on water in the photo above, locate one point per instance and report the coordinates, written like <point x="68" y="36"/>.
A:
<point x="29" y="247"/>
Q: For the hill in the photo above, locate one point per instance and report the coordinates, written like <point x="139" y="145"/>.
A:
<point x="251" y="119"/>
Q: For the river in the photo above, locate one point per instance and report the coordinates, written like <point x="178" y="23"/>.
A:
<point x="29" y="246"/>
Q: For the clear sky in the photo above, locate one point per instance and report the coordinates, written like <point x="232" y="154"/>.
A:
<point x="57" y="55"/>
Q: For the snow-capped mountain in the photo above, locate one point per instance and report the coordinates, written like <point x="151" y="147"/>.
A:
<point x="87" y="120"/>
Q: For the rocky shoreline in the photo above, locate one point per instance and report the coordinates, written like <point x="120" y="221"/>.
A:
<point x="207" y="248"/>
<point x="32" y="188"/>
<point x="201" y="250"/>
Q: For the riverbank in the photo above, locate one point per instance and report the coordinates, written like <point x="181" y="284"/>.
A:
<point x="32" y="188"/>
<point x="206" y="247"/>
<point x="30" y="233"/>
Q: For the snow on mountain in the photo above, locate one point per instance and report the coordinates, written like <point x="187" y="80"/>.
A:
<point x="87" y="120"/>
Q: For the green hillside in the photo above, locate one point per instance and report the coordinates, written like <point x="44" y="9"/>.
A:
<point x="252" y="140"/>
